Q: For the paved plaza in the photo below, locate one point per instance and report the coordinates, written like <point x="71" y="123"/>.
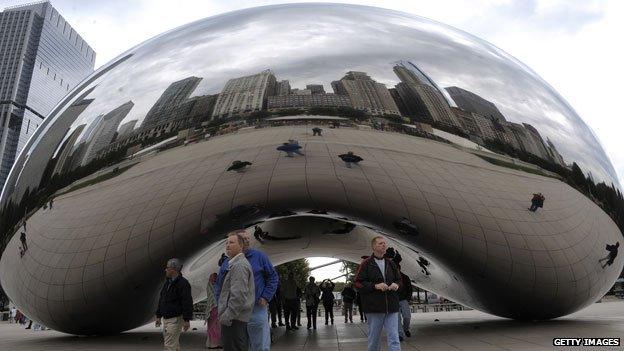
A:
<point x="459" y="330"/>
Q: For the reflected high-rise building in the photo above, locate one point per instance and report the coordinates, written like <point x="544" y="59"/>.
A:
<point x="105" y="131"/>
<point x="41" y="59"/>
<point x="472" y="102"/>
<point x="65" y="152"/>
<point x="245" y="94"/>
<point x="126" y="128"/>
<point x="283" y="88"/>
<point x="554" y="154"/>
<point x="366" y="94"/>
<point x="315" y="88"/>
<point x="175" y="94"/>
<point x="421" y="97"/>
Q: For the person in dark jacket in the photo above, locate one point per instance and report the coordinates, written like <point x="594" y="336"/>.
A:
<point x="378" y="281"/>
<point x="348" y="297"/>
<point x="290" y="293"/>
<point x="610" y="258"/>
<point x="327" y="289"/>
<point x="311" y="294"/>
<point x="358" y="302"/>
<point x="175" y="306"/>
<point x="405" y="296"/>
<point x="275" y="307"/>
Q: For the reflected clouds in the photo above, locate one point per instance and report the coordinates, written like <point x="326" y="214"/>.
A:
<point x="282" y="38"/>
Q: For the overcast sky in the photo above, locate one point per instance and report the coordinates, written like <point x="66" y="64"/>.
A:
<point x="572" y="44"/>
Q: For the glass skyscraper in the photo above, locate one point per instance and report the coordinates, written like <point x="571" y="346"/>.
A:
<point x="41" y="59"/>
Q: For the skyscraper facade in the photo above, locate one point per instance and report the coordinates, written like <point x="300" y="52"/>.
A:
<point x="245" y="94"/>
<point x="104" y="132"/>
<point x="41" y="58"/>
<point x="170" y="100"/>
<point x="472" y="102"/>
<point x="366" y="94"/>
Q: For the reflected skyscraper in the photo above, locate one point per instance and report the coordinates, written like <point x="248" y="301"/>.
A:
<point x="421" y="97"/>
<point x="126" y="128"/>
<point x="245" y="94"/>
<point x="366" y="94"/>
<point x="65" y="152"/>
<point x="171" y="99"/>
<point x="104" y="132"/>
<point x="41" y="58"/>
<point x="472" y="102"/>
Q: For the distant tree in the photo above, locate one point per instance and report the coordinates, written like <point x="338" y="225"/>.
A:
<point x="350" y="269"/>
<point x="300" y="267"/>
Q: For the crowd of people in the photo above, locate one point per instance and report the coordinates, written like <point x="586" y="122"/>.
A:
<point x="246" y="298"/>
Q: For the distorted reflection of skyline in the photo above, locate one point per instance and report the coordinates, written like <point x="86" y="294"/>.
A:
<point x="311" y="44"/>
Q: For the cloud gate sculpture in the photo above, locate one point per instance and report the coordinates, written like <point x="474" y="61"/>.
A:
<point x="323" y="125"/>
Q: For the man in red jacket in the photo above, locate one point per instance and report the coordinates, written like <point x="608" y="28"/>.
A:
<point x="378" y="281"/>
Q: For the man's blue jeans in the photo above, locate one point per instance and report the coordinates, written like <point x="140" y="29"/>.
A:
<point x="405" y="314"/>
<point x="258" y="329"/>
<point x="379" y="321"/>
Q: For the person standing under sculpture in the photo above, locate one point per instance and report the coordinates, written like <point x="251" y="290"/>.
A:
<point x="236" y="297"/>
<point x="275" y="308"/>
<point x="378" y="281"/>
<point x="327" y="287"/>
<point x="289" y="292"/>
<point x="348" y="297"/>
<point x="358" y="302"/>
<point x="175" y="306"/>
<point x="266" y="280"/>
<point x="405" y="314"/>
<point x="312" y="293"/>
<point x="213" y="341"/>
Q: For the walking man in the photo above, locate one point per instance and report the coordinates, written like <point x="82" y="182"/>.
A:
<point x="312" y="293"/>
<point x="236" y="299"/>
<point x="265" y="280"/>
<point x="378" y="281"/>
<point x="327" y="287"/>
<point x="405" y="296"/>
<point x="175" y="306"/>
<point x="348" y="297"/>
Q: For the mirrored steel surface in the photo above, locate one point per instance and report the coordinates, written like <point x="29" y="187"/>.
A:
<point x="187" y="136"/>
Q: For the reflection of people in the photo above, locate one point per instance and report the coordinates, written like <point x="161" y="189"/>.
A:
<point x="350" y="158"/>
<point x="258" y="233"/>
<point x="312" y="293"/>
<point x="378" y="280"/>
<point x="23" y="240"/>
<point x="213" y="341"/>
<point x="613" y="251"/>
<point x="348" y="297"/>
<point x="290" y="148"/>
<point x="327" y="288"/>
<point x="236" y="295"/>
<point x="536" y="202"/>
<point x="175" y="306"/>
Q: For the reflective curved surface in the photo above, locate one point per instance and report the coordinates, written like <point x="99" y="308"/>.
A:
<point x="249" y="118"/>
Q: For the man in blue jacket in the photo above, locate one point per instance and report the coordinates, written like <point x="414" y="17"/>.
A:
<point x="266" y="280"/>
